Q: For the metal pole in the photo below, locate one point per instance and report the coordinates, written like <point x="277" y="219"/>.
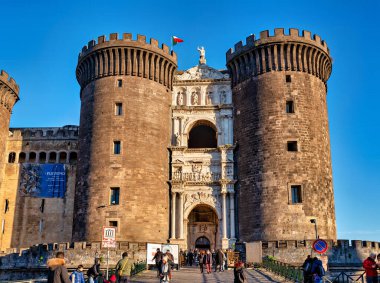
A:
<point x="316" y="230"/>
<point x="108" y="255"/>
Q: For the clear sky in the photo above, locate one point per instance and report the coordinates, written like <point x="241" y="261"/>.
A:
<point x="40" y="42"/>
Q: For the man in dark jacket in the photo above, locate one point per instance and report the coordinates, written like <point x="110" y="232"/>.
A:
<point x="307" y="276"/>
<point x="370" y="268"/>
<point x="157" y="258"/>
<point x="57" y="271"/>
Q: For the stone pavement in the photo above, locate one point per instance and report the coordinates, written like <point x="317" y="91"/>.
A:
<point x="193" y="275"/>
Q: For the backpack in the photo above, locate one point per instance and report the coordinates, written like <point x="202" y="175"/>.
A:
<point x="321" y="271"/>
<point x="91" y="271"/>
<point x="307" y="267"/>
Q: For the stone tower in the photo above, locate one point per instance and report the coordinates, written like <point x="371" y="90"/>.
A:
<point x="123" y="164"/>
<point x="281" y="130"/>
<point x="8" y="97"/>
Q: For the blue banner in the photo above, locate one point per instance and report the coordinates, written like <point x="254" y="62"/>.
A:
<point x="43" y="180"/>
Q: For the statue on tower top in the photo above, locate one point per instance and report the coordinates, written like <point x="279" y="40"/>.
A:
<point x="202" y="55"/>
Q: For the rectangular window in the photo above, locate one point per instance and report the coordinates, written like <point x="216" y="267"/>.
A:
<point x="116" y="147"/>
<point x="296" y="194"/>
<point x="119" y="83"/>
<point x="288" y="79"/>
<point x="289" y="106"/>
<point x="292" y="146"/>
<point x="114" y="197"/>
<point x="42" y="207"/>
<point x="118" y="109"/>
<point x="112" y="223"/>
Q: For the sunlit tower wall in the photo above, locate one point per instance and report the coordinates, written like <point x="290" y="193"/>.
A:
<point x="279" y="85"/>
<point x="124" y="134"/>
<point x="8" y="97"/>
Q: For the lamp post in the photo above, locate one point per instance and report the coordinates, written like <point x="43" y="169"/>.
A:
<point x="314" y="221"/>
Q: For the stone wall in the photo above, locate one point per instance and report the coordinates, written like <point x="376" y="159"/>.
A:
<point x="31" y="263"/>
<point x="138" y="76"/>
<point x="32" y="220"/>
<point x="264" y="78"/>
<point x="340" y="253"/>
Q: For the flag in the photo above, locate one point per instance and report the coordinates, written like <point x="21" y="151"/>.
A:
<point x="176" y="40"/>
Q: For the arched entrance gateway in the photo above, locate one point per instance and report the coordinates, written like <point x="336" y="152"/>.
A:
<point x="203" y="228"/>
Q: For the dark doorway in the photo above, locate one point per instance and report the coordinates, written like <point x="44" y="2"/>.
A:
<point x="202" y="243"/>
<point x="202" y="136"/>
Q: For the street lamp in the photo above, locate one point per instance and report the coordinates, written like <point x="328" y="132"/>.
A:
<point x="314" y="221"/>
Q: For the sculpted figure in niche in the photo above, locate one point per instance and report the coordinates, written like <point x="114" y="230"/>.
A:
<point x="178" y="139"/>
<point x="180" y="98"/>
<point x="223" y="97"/>
<point x="209" y="98"/>
<point x="195" y="98"/>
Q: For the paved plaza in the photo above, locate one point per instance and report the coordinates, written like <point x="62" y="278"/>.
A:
<point x="192" y="274"/>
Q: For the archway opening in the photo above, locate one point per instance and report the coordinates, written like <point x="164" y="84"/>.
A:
<point x="203" y="229"/>
<point x="202" y="135"/>
<point x="202" y="243"/>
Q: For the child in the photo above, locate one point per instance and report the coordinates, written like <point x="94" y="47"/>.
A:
<point x="77" y="275"/>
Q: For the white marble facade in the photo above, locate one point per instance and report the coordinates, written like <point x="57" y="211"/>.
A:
<point x="202" y="176"/>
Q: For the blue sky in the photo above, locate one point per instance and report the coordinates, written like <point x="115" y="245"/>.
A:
<point x="40" y="42"/>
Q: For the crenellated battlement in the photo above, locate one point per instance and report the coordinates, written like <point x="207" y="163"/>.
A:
<point x="279" y="52"/>
<point x="126" y="39"/>
<point x="128" y="57"/>
<point x="279" y="36"/>
<point x="8" y="91"/>
<point x="65" y="132"/>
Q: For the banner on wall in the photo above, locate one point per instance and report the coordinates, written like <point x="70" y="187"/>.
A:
<point x="42" y="180"/>
<point x="152" y="249"/>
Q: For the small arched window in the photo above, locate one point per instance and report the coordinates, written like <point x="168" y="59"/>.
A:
<point x="62" y="157"/>
<point x="32" y="157"/>
<point x="22" y="157"/>
<point x="42" y="158"/>
<point x="12" y="157"/>
<point x="52" y="157"/>
<point x="73" y="157"/>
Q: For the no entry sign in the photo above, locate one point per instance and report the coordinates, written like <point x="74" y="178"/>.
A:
<point x="320" y="246"/>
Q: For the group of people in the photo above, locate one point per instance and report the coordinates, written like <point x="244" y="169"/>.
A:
<point x="164" y="264"/>
<point x="205" y="259"/>
<point x="370" y="265"/>
<point x="313" y="270"/>
<point x="57" y="271"/>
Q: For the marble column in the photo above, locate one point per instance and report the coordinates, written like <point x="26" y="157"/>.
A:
<point x="181" y="215"/>
<point x="224" y="216"/>
<point x="232" y="215"/>
<point x="174" y="196"/>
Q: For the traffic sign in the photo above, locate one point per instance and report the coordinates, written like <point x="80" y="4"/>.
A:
<point x="109" y="234"/>
<point x="320" y="246"/>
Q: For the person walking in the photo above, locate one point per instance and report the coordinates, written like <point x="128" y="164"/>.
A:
<point x="170" y="262"/>
<point x="157" y="258"/>
<point x="239" y="275"/>
<point x="200" y="259"/>
<point x="190" y="256"/>
<point x="370" y="267"/>
<point x="124" y="268"/>
<point x="219" y="259"/>
<point x="57" y="272"/>
<point x="77" y="276"/>
<point x="164" y="270"/>
<point x="317" y="270"/>
<point x="93" y="272"/>
<point x="207" y="260"/>
<point x="306" y="268"/>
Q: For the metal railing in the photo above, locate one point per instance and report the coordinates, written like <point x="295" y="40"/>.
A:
<point x="290" y="272"/>
<point x="295" y="273"/>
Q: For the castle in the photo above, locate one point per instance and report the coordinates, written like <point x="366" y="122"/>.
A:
<point x="201" y="158"/>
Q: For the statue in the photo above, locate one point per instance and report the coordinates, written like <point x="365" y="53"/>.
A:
<point x="180" y="98"/>
<point x="209" y="98"/>
<point x="194" y="98"/>
<point x="223" y="97"/>
<point x="202" y="55"/>
<point x="178" y="139"/>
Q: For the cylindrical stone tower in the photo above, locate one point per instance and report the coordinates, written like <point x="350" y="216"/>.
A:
<point x="124" y="134"/>
<point x="8" y="97"/>
<point x="281" y="129"/>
